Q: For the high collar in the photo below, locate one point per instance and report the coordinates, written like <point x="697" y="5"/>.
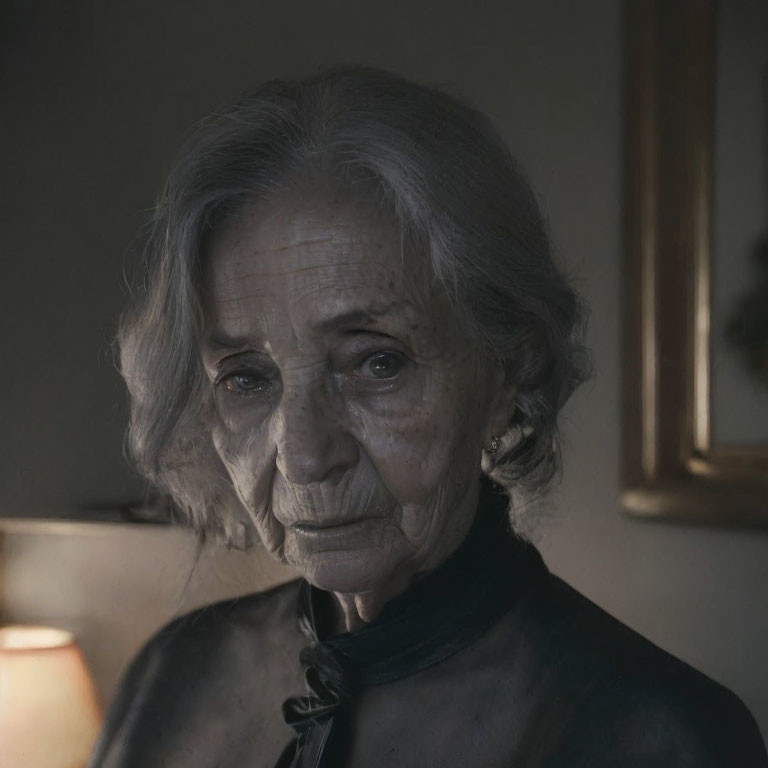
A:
<point x="440" y="613"/>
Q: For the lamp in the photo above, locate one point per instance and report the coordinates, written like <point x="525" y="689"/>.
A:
<point x="49" y="714"/>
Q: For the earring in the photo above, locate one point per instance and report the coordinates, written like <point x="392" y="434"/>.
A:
<point x="503" y="445"/>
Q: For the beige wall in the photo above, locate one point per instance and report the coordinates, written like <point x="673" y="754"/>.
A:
<point x="114" y="585"/>
<point x="549" y="73"/>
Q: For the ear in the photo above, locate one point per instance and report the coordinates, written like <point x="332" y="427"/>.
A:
<point x="501" y="402"/>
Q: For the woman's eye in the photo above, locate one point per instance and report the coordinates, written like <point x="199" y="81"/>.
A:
<point x="382" y="365"/>
<point x="245" y="383"/>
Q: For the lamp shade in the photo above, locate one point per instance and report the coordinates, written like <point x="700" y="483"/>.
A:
<point x="49" y="713"/>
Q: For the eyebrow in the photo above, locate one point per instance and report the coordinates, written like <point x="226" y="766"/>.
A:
<point x="218" y="339"/>
<point x="354" y="318"/>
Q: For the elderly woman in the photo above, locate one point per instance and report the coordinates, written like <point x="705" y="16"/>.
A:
<point x="350" y="336"/>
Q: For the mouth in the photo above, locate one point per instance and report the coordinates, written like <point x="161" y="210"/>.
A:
<point x="329" y="530"/>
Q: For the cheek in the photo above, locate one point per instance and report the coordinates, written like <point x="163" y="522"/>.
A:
<point x="428" y="449"/>
<point x="249" y="462"/>
<point x="238" y="418"/>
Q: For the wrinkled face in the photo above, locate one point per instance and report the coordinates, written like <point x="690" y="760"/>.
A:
<point x="350" y="407"/>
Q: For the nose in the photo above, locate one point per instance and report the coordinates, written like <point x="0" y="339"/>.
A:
<point x="313" y="444"/>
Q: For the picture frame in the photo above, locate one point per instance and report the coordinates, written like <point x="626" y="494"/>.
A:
<point x="672" y="469"/>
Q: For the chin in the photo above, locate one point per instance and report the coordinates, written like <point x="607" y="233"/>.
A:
<point x="351" y="558"/>
<point x="346" y="571"/>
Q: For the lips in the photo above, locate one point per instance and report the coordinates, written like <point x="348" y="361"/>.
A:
<point x="329" y="530"/>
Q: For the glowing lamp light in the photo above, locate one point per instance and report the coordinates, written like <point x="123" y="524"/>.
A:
<point x="49" y="713"/>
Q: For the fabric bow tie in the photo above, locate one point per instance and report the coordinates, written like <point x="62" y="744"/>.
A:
<point x="331" y="684"/>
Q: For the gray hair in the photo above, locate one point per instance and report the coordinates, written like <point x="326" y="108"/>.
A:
<point x="451" y="183"/>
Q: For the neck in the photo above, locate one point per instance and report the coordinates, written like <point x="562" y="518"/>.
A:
<point x="351" y="611"/>
<point x="354" y="610"/>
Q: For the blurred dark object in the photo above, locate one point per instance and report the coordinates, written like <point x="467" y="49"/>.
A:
<point x="747" y="327"/>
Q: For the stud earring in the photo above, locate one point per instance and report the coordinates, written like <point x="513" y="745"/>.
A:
<point x="509" y="440"/>
<point x="500" y="447"/>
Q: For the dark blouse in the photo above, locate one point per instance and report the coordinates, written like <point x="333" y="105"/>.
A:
<point x="488" y="661"/>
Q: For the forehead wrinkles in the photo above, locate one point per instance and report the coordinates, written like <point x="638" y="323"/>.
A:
<point x="302" y="250"/>
<point x="235" y="286"/>
<point x="302" y="266"/>
<point x="329" y="287"/>
<point x="306" y="297"/>
<point x="324" y="229"/>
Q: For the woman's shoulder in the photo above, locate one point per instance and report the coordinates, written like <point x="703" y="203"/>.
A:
<point x="629" y="701"/>
<point x="237" y="629"/>
<point x="271" y="609"/>
<point x="236" y="658"/>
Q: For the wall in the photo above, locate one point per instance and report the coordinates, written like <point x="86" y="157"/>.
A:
<point x="113" y="585"/>
<point x="550" y="75"/>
